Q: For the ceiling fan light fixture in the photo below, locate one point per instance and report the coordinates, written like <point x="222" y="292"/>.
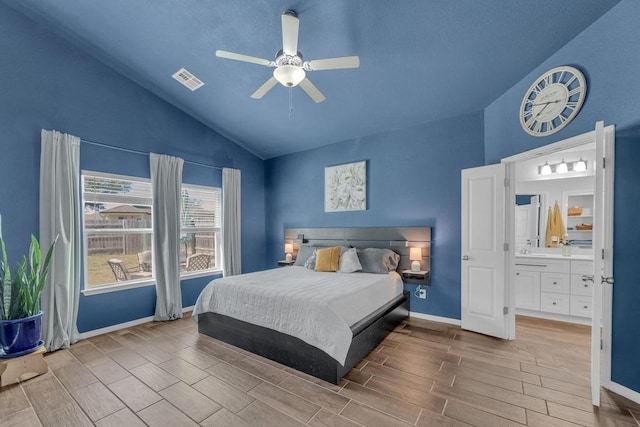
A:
<point x="289" y="75"/>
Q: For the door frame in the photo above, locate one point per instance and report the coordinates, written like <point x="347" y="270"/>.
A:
<point x="509" y="162"/>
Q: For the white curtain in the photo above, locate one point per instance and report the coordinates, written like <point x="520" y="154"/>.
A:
<point x="166" y="182"/>
<point x="60" y="216"/>
<point x="231" y="245"/>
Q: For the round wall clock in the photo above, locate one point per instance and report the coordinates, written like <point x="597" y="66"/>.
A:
<point x="552" y="101"/>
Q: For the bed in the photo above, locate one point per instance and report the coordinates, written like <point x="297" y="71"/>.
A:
<point x="316" y="322"/>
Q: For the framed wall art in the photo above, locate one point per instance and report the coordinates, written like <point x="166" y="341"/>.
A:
<point x="345" y="187"/>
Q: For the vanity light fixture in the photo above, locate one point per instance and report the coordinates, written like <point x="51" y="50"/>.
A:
<point x="288" y="250"/>
<point x="415" y="255"/>
<point x="562" y="167"/>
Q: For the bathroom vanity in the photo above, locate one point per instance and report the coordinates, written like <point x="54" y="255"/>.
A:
<point x="553" y="286"/>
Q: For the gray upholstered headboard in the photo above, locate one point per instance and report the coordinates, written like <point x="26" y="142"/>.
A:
<point x="398" y="239"/>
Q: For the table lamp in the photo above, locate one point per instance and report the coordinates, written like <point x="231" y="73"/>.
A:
<point x="288" y="251"/>
<point x="415" y="255"/>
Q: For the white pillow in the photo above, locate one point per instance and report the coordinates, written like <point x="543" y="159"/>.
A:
<point x="349" y="261"/>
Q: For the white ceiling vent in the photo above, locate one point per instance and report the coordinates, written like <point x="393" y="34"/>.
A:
<point x="188" y="79"/>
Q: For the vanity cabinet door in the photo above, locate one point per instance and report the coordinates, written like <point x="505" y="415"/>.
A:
<point x="527" y="290"/>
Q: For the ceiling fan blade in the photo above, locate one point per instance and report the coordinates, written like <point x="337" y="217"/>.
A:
<point x="290" y="26"/>
<point x="334" y="63"/>
<point x="243" y="58"/>
<point x="311" y="90"/>
<point x="266" y="87"/>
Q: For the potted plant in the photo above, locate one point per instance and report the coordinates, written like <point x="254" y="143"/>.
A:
<point x="20" y="314"/>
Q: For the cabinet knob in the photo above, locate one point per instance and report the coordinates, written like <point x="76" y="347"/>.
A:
<point x="586" y="306"/>
<point x="554" y="303"/>
<point x="555" y="283"/>
<point x="517" y="274"/>
<point x="586" y="286"/>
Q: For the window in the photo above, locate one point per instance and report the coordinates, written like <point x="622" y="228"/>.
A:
<point x="117" y="229"/>
<point x="200" y="221"/>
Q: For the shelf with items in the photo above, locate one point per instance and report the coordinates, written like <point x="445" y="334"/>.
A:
<point x="578" y="216"/>
<point x="421" y="277"/>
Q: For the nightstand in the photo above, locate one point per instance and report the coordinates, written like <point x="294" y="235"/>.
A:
<point x="283" y="263"/>
<point x="421" y="277"/>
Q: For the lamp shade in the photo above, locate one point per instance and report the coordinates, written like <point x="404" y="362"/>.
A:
<point x="562" y="167"/>
<point x="545" y="169"/>
<point x="415" y="255"/>
<point x="289" y="75"/>
<point x="580" y="166"/>
<point x="288" y="248"/>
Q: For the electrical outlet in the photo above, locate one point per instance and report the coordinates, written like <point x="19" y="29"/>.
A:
<point x="422" y="294"/>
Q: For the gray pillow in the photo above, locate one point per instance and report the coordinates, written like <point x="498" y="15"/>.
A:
<point x="349" y="261"/>
<point x="378" y="260"/>
<point x="310" y="263"/>
<point x="304" y="252"/>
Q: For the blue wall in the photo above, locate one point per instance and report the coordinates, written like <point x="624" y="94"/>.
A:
<point x="47" y="83"/>
<point x="413" y="179"/>
<point x="608" y="53"/>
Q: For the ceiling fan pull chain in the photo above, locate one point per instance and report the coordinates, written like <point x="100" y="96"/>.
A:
<point x="290" y="103"/>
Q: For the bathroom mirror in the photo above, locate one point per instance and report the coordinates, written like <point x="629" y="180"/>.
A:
<point x="527" y="221"/>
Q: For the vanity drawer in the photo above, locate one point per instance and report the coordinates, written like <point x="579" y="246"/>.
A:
<point x="581" y="306"/>
<point x="580" y="287"/>
<point x="543" y="264"/>
<point x="582" y="267"/>
<point x="555" y="282"/>
<point x="554" y="303"/>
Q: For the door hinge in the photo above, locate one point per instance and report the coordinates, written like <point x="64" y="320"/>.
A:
<point x="604" y="162"/>
<point x="506" y="182"/>
<point x="602" y="254"/>
<point x="505" y="246"/>
<point x="505" y="310"/>
<point x="601" y="344"/>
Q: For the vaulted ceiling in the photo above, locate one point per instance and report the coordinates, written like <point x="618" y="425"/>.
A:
<point x="420" y="60"/>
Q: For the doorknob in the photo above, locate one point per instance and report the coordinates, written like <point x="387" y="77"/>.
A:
<point x="607" y="280"/>
<point x="465" y="257"/>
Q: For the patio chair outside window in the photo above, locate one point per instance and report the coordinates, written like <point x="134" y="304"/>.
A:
<point x="119" y="269"/>
<point x="197" y="262"/>
<point x="144" y="261"/>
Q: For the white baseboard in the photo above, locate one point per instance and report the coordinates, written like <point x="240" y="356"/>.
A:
<point x="624" y="391"/>
<point x="113" y="328"/>
<point x="448" y="320"/>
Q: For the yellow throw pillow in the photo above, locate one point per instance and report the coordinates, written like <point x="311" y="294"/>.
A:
<point x="328" y="259"/>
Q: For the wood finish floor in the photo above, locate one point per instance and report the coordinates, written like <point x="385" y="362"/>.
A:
<point x="423" y="374"/>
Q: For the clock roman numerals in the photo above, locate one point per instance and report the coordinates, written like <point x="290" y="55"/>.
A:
<point x="552" y="101"/>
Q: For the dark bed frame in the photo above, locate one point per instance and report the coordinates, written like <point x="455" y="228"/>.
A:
<point x="367" y="333"/>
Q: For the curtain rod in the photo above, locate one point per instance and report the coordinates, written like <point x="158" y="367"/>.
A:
<point x="129" y="150"/>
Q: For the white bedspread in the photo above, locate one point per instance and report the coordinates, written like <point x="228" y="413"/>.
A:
<point x="319" y="308"/>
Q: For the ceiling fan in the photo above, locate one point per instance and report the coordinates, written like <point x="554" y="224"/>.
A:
<point x="290" y="67"/>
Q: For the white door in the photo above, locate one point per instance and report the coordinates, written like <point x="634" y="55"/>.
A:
<point x="483" y="253"/>
<point x="526" y="223"/>
<point x="523" y="226"/>
<point x="603" y="256"/>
